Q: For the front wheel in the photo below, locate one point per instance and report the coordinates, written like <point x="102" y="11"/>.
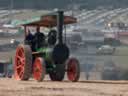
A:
<point x="39" y="69"/>
<point x="73" y="69"/>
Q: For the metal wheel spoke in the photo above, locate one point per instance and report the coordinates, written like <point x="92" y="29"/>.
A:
<point x="19" y="66"/>
<point x="18" y="57"/>
<point x="37" y="74"/>
<point x="21" y="52"/>
<point x="21" y="59"/>
<point x="21" y="74"/>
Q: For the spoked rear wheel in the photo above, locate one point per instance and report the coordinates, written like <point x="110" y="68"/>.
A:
<point x="73" y="69"/>
<point x="23" y="62"/>
<point x="39" y="69"/>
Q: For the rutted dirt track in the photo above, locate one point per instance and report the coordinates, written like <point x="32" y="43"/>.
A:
<point x="11" y="87"/>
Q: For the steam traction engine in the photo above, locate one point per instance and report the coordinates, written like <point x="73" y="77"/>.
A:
<point x="53" y="58"/>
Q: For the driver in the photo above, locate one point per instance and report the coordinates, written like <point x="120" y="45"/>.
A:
<point x="52" y="37"/>
<point x="29" y="39"/>
<point x="39" y="39"/>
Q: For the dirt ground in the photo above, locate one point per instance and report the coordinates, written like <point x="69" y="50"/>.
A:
<point x="11" y="87"/>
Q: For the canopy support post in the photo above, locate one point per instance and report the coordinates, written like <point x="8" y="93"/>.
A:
<point x="60" y="21"/>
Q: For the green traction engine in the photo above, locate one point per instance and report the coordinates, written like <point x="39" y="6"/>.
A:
<point x="52" y="58"/>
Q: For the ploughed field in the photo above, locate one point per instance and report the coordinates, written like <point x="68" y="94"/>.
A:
<point x="11" y="87"/>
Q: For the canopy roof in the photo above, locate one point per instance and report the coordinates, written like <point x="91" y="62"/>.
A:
<point x="49" y="20"/>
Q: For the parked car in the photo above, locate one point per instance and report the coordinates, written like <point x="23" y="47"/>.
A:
<point x="106" y="49"/>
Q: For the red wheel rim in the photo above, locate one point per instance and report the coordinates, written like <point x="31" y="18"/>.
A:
<point x="19" y="63"/>
<point x="38" y="69"/>
<point x="72" y="69"/>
